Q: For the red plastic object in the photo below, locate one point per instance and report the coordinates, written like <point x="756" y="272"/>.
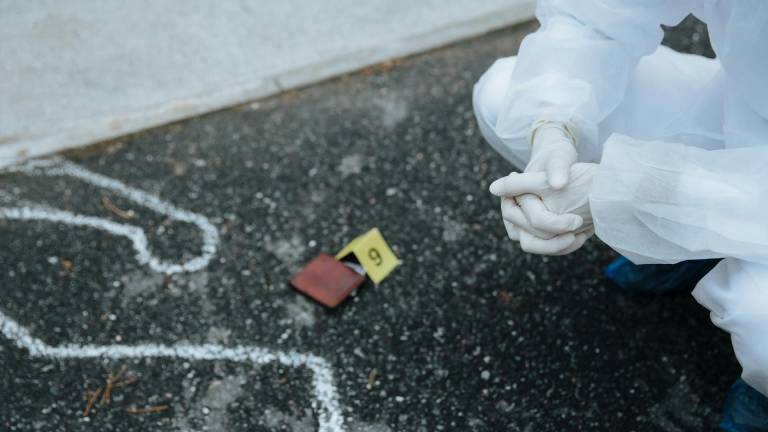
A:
<point x="326" y="280"/>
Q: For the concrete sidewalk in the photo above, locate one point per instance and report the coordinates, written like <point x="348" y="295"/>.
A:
<point x="77" y="72"/>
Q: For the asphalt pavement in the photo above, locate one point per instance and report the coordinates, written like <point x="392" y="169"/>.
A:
<point x="468" y="334"/>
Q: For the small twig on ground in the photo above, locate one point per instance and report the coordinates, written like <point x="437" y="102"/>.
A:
<point x="67" y="265"/>
<point x="385" y="66"/>
<point x="112" y="378"/>
<point x="116" y="381"/>
<point x="128" y="381"/>
<point x="106" y="396"/>
<point x="371" y="379"/>
<point x="109" y="205"/>
<point x="146" y="410"/>
<point x="92" y="396"/>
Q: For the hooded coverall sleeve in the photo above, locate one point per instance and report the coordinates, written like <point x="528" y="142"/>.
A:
<point x="660" y="202"/>
<point x="576" y="67"/>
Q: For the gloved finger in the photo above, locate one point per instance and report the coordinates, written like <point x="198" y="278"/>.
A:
<point x="540" y="246"/>
<point x="512" y="232"/>
<point x="543" y="219"/>
<point x="581" y="238"/>
<point x="511" y="212"/>
<point x="519" y="183"/>
<point x="578" y="242"/>
<point x="558" y="171"/>
<point x="587" y="229"/>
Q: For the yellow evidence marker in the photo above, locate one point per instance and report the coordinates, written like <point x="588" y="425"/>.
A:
<point x="373" y="253"/>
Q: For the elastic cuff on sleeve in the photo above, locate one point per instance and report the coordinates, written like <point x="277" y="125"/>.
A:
<point x="567" y="128"/>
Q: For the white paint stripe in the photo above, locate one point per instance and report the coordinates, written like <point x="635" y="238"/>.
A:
<point x="58" y="167"/>
<point x="325" y="402"/>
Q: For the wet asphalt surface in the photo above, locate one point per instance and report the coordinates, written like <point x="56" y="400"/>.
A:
<point x="469" y="334"/>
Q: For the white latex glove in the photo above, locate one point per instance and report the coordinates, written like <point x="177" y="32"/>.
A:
<point x="571" y="201"/>
<point x="552" y="154"/>
<point x="522" y="202"/>
<point x="553" y="151"/>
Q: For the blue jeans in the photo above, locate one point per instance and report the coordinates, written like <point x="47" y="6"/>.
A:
<point x="657" y="278"/>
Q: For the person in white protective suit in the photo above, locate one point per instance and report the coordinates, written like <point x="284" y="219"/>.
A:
<point x="664" y="155"/>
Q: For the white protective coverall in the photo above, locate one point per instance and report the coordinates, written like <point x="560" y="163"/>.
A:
<point x="682" y="140"/>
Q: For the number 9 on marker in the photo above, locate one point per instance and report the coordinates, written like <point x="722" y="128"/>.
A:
<point x="373" y="254"/>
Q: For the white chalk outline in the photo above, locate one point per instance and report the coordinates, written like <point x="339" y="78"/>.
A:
<point x="60" y="167"/>
<point x="325" y="402"/>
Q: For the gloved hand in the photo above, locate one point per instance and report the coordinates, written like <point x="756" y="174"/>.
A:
<point x="553" y="151"/>
<point x="552" y="154"/>
<point x="567" y="209"/>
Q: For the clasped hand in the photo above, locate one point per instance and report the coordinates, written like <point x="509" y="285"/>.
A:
<point x="546" y="208"/>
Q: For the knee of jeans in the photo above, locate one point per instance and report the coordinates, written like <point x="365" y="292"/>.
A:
<point x="489" y="92"/>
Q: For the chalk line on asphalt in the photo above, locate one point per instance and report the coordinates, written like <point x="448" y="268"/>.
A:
<point x="326" y="402"/>
<point x="59" y="167"/>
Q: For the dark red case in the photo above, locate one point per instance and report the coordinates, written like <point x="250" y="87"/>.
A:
<point x="326" y="280"/>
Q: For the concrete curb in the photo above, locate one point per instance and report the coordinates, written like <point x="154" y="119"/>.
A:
<point x="93" y="130"/>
